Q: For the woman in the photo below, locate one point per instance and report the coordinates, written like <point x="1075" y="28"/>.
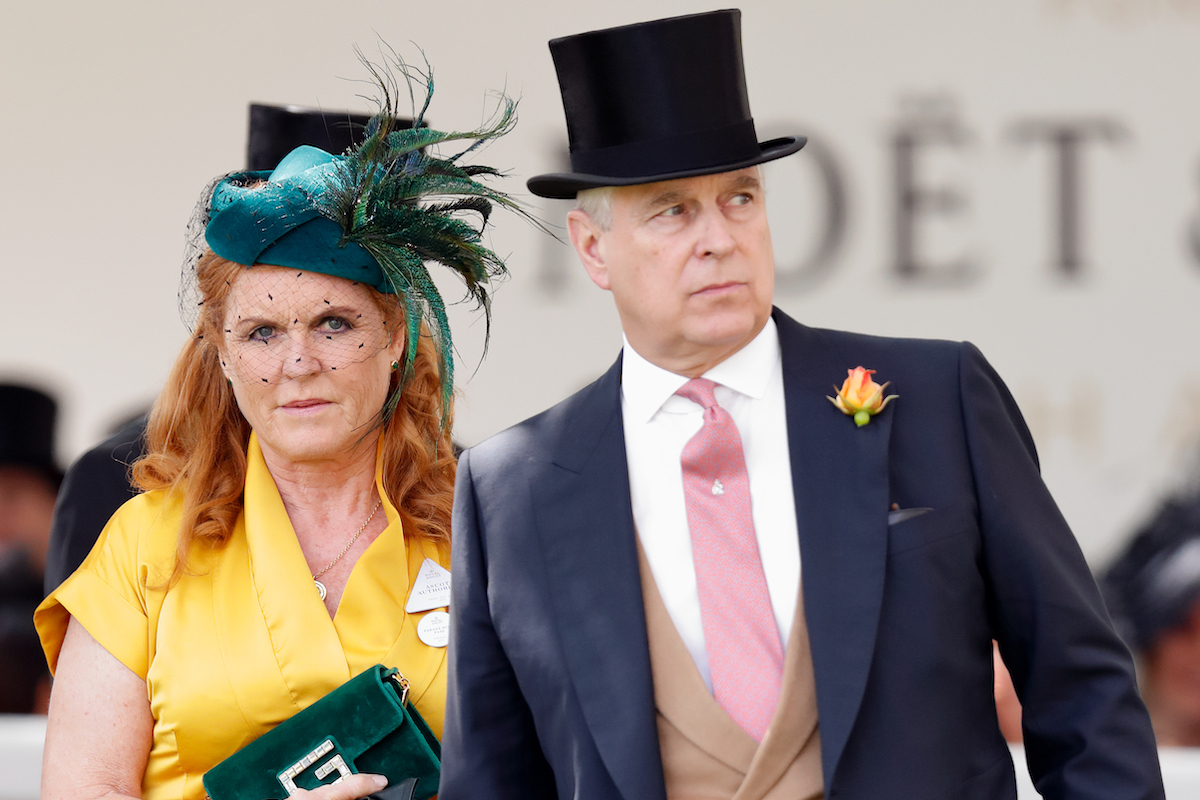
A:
<point x="300" y="475"/>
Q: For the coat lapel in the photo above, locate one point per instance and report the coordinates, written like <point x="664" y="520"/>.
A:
<point x="585" y="523"/>
<point x="840" y="473"/>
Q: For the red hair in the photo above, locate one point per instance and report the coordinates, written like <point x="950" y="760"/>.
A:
<point x="197" y="437"/>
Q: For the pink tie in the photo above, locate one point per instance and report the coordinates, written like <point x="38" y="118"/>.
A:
<point x="745" y="655"/>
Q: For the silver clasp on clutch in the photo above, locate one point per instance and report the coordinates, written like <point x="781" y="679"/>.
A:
<point x="287" y="778"/>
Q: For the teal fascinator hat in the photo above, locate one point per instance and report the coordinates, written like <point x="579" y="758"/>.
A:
<point x="274" y="218"/>
<point x="377" y="215"/>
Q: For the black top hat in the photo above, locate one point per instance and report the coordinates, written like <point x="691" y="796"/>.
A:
<point x="656" y="101"/>
<point x="27" y="419"/>
<point x="276" y="131"/>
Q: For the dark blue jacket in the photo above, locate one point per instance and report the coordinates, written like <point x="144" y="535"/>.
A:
<point x="550" y="691"/>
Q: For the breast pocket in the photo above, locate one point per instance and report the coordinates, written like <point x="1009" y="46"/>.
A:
<point x="935" y="526"/>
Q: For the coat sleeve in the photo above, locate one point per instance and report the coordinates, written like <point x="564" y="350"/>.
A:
<point x="1087" y="732"/>
<point x="490" y="748"/>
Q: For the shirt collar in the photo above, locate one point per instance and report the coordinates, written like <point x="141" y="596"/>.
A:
<point x="646" y="386"/>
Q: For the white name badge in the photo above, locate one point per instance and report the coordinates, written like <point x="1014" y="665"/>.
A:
<point x="432" y="589"/>
<point x="434" y="629"/>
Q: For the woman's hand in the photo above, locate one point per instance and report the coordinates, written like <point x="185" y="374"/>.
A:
<point x="353" y="787"/>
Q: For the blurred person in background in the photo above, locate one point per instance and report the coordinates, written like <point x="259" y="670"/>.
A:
<point x="299" y="473"/>
<point x="1008" y="705"/>
<point x="94" y="487"/>
<point x="29" y="480"/>
<point x="1153" y="592"/>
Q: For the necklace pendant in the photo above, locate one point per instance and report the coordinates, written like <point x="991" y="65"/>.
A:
<point x="320" y="589"/>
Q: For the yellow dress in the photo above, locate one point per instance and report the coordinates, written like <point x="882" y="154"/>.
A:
<point x="243" y="641"/>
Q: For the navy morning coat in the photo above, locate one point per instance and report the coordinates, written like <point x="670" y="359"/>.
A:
<point x="550" y="691"/>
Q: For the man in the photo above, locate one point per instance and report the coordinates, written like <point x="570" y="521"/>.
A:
<point x="1153" y="591"/>
<point x="94" y="487"/>
<point x="697" y="577"/>
<point x="29" y="480"/>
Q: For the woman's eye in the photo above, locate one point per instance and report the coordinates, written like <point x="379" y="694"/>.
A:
<point x="262" y="333"/>
<point x="337" y="324"/>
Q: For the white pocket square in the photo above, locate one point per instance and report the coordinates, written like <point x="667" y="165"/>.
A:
<point x="902" y="514"/>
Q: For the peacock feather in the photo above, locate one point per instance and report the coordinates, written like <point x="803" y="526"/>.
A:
<point x="408" y="207"/>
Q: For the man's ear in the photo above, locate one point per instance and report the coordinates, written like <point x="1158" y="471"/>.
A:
<point x="585" y="235"/>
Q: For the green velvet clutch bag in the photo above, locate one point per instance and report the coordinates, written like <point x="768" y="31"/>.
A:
<point x="365" y="725"/>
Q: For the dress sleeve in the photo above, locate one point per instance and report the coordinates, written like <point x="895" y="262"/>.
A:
<point x="108" y="593"/>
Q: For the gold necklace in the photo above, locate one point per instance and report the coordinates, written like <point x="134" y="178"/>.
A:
<point x="321" y="590"/>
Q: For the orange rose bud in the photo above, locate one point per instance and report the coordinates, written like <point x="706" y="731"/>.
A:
<point x="860" y="397"/>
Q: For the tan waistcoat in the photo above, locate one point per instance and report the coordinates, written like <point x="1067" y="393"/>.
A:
<point x="705" y="754"/>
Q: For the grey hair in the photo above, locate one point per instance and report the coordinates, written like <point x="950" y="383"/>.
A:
<point x="597" y="203"/>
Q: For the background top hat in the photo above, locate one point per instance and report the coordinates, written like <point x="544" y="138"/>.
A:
<point x="276" y="131"/>
<point x="656" y="101"/>
<point x="27" y="419"/>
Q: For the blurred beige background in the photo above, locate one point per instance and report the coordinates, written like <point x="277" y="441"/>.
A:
<point x="116" y="114"/>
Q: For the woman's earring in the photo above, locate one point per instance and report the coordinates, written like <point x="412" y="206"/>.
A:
<point x="395" y="366"/>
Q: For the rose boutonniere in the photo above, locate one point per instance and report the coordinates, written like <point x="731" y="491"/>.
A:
<point x="860" y="397"/>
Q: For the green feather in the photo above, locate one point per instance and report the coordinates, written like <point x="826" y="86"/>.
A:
<point x="405" y="206"/>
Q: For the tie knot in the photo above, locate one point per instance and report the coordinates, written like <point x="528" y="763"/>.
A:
<point x="699" y="390"/>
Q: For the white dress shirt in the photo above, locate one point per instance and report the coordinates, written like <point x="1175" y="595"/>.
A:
<point x="658" y="424"/>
